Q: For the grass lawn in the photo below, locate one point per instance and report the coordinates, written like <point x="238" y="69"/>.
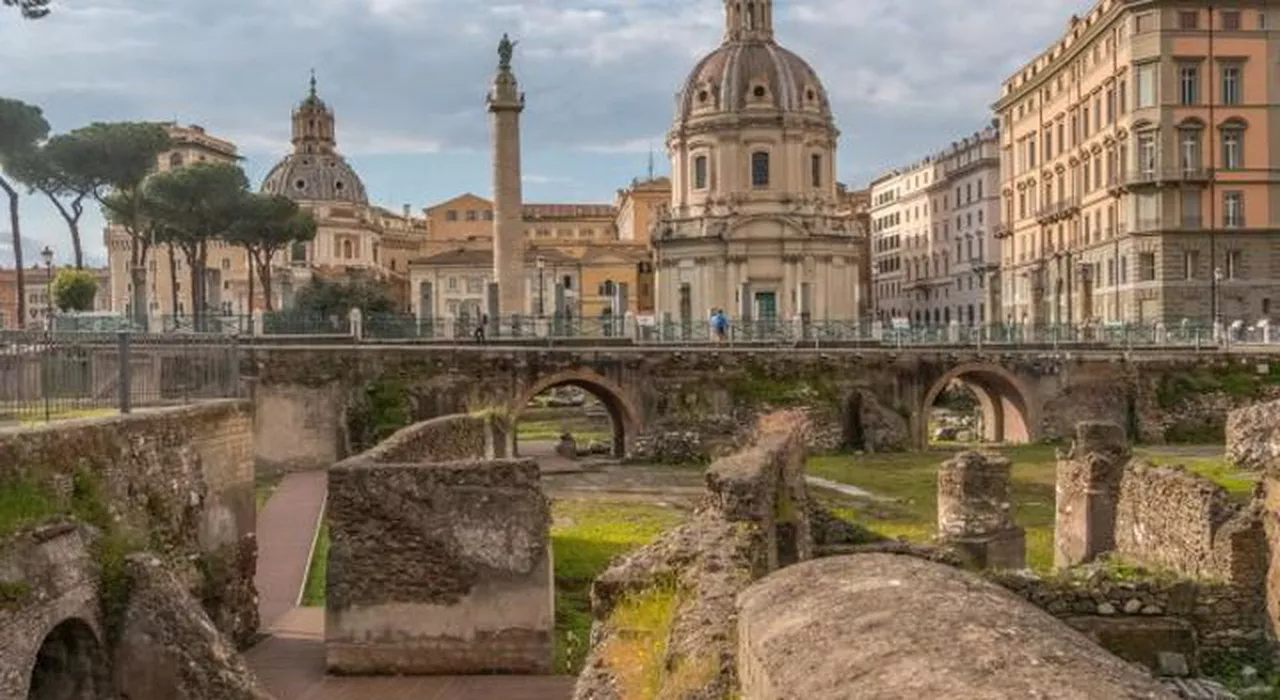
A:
<point x="586" y="535"/>
<point x="263" y="487"/>
<point x="910" y="479"/>
<point x="583" y="429"/>
<point x="33" y="414"/>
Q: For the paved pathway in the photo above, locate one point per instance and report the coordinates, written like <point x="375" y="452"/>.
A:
<point x="290" y="662"/>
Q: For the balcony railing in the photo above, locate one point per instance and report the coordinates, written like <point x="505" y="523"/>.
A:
<point x="1065" y="206"/>
<point x="1161" y="176"/>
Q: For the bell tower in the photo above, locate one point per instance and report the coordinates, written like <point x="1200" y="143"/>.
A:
<point x="313" y="124"/>
<point x="748" y="20"/>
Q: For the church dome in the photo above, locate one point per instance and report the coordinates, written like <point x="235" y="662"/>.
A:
<point x="315" y="171"/>
<point x="752" y="74"/>
<point x="323" y="177"/>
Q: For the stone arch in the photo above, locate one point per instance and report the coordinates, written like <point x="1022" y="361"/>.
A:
<point x="623" y="412"/>
<point x="1009" y="411"/>
<point x="70" y="665"/>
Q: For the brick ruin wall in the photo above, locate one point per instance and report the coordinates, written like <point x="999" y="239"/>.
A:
<point x="177" y="481"/>
<point x="439" y="566"/>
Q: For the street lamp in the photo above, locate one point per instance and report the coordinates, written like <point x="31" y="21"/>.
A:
<point x="542" y="285"/>
<point x="1217" y="301"/>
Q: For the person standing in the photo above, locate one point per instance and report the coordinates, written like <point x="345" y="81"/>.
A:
<point x="720" y="324"/>
<point x="479" y="332"/>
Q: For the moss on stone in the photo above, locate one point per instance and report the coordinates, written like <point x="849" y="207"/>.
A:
<point x="13" y="594"/>
<point x="1231" y="380"/>
<point x="636" y="655"/>
<point x="761" y="384"/>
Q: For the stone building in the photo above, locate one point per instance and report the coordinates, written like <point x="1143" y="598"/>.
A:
<point x="933" y="254"/>
<point x="1134" y="167"/>
<point x="754" y="225"/>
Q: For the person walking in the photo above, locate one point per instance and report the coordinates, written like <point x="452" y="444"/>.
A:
<point x="720" y="324"/>
<point x="479" y="332"/>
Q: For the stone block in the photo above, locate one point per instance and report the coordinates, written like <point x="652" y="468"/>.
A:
<point x="1087" y="492"/>
<point x="1143" y="640"/>
<point x="439" y="569"/>
<point x="1253" y="437"/>
<point x="1006" y="549"/>
<point x="973" y="496"/>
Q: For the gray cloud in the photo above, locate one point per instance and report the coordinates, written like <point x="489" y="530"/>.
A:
<point x="600" y="75"/>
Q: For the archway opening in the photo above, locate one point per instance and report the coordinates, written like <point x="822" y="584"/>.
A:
<point x="71" y="665"/>
<point x="570" y="421"/>
<point x="977" y="406"/>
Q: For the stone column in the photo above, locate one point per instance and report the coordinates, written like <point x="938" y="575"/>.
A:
<point x="1088" y="488"/>
<point x="506" y="102"/>
<point x="974" y="514"/>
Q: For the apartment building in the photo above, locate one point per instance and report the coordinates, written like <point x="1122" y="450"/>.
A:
<point x="934" y="257"/>
<point x="1136" y="167"/>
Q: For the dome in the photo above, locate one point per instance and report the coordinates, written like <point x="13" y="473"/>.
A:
<point x="752" y="74"/>
<point x="317" y="177"/>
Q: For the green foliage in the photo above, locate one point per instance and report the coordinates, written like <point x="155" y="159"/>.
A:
<point x="1235" y="381"/>
<point x="1228" y="668"/>
<point x="586" y="537"/>
<point x="30" y="9"/>
<point x="74" y="290"/>
<point x="267" y="225"/>
<point x="324" y="298"/>
<point x="14" y="594"/>
<point x="636" y="655"/>
<point x="110" y="551"/>
<point x="22" y="127"/>
<point x="22" y="502"/>
<point x="759" y="386"/>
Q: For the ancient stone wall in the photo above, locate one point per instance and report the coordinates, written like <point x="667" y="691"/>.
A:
<point x="439" y="568"/>
<point x="177" y="480"/>
<point x="974" y="515"/>
<point x="298" y="427"/>
<point x="1170" y="519"/>
<point x="444" y="439"/>
<point x="1253" y="436"/>
<point x="1088" y="488"/>
<point x="755" y="518"/>
<point x="892" y="626"/>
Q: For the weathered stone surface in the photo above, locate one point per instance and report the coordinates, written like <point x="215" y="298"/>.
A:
<point x="1143" y="640"/>
<point x="1088" y="489"/>
<point x="755" y="517"/>
<point x="1253" y="437"/>
<point x="907" y="628"/>
<point x="443" y="439"/>
<point x="438" y="568"/>
<point x="48" y="580"/>
<point x="827" y="529"/>
<point x="179" y="478"/>
<point x="974" y="515"/>
<point x="169" y="648"/>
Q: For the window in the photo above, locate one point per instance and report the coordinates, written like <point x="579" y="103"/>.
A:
<point x="1232" y="148"/>
<point x="1190" y="263"/>
<point x="453" y="284"/>
<point x="348" y="251"/>
<point x="1146" y="267"/>
<point x="1189" y="19"/>
<point x="488" y="215"/>
<point x="471" y="215"/>
<point x="175" y="160"/>
<point x="451" y="215"/>
<point x="1235" y="268"/>
<point x="1188" y="84"/>
<point x="699" y="172"/>
<point x="1191" y="209"/>
<point x="1147" y="153"/>
<point x="1146" y="85"/>
<point x="1232" y="74"/>
<point x="1231" y="20"/>
<point x="1233" y="209"/>
<point x="1144" y="23"/>
<point x="1031" y="151"/>
<point x="815" y="169"/>
<point x="760" y="169"/>
<point x="1189" y="147"/>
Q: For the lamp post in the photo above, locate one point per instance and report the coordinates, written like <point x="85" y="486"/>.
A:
<point x="1217" y="302"/>
<point x="542" y="285"/>
<point x="47" y="256"/>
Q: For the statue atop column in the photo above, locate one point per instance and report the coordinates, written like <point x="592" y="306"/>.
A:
<point x="506" y="48"/>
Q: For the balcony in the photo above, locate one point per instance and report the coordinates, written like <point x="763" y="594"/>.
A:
<point x="1002" y="230"/>
<point x="1061" y="209"/>
<point x="1139" y="179"/>
<point x="1153" y="225"/>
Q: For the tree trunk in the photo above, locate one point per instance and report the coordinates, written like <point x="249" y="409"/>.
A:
<point x="138" y="248"/>
<point x="173" y="279"/>
<point x="72" y="218"/>
<point x="20" y="274"/>
<point x="251" y="263"/>
<point x="264" y="273"/>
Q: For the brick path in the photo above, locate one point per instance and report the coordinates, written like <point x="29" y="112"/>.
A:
<point x="290" y="662"/>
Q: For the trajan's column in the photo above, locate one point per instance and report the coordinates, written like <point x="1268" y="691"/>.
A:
<point x="506" y="102"/>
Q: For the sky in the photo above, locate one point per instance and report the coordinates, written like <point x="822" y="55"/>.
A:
<point x="407" y="80"/>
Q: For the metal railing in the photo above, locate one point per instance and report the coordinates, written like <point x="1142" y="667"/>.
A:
<point x="46" y="376"/>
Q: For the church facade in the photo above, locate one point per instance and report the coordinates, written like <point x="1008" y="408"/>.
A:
<point x="756" y="225"/>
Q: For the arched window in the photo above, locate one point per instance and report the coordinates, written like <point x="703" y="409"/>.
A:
<point x="175" y="160"/>
<point x="608" y="288"/>
<point x="760" y="169"/>
<point x="347" y="250"/>
<point x="815" y="169"/>
<point x="700" y="172"/>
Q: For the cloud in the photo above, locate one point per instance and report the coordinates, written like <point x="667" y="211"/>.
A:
<point x="410" y="76"/>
